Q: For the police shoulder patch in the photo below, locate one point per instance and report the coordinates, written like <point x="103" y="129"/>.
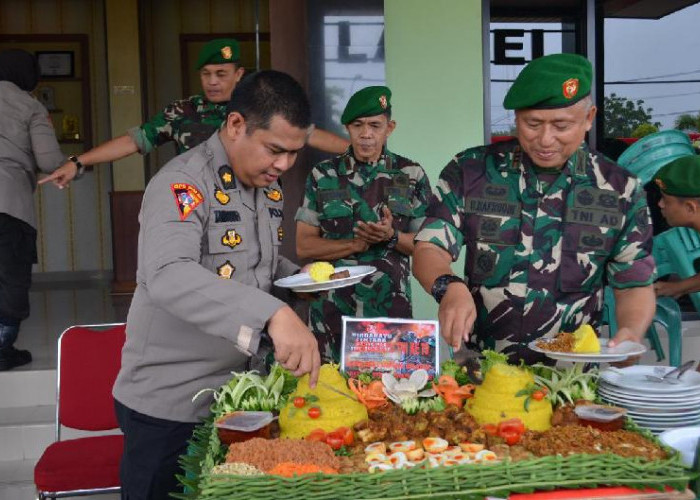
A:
<point x="187" y="198"/>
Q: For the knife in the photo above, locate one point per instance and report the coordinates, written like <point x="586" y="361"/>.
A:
<point x="331" y="388"/>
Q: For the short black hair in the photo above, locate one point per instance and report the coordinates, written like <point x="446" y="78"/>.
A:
<point x="262" y="95"/>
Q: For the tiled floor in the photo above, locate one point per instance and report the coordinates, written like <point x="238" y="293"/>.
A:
<point x="27" y="393"/>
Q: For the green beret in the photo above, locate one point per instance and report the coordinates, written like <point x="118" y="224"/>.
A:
<point x="219" y="51"/>
<point x="681" y="177"/>
<point x="554" y="81"/>
<point x="370" y="101"/>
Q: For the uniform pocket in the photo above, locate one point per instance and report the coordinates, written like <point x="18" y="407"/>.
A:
<point x="581" y="271"/>
<point x="491" y="253"/>
<point x="585" y="251"/>
<point x="337" y="218"/>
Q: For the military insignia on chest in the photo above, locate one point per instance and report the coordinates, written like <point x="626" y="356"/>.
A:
<point x="280" y="233"/>
<point x="227" y="179"/>
<point x="226" y="270"/>
<point x="231" y="238"/>
<point x="221" y="197"/>
<point x="187" y="198"/>
<point x="273" y="194"/>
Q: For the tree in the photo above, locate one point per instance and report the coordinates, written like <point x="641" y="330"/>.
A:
<point x="623" y="116"/>
<point x="688" y="122"/>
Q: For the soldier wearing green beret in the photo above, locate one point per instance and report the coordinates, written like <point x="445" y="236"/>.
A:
<point x="679" y="182"/>
<point x="547" y="222"/>
<point x="362" y="208"/>
<point x="186" y="122"/>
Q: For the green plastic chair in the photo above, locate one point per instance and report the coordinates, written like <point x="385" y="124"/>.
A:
<point x="646" y="156"/>
<point x="668" y="313"/>
<point x="680" y="247"/>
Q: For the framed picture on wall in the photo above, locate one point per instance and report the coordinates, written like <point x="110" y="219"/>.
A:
<point x="56" y="64"/>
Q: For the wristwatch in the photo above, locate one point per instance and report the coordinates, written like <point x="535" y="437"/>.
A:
<point x="439" y="287"/>
<point x="393" y="241"/>
<point x="81" y="167"/>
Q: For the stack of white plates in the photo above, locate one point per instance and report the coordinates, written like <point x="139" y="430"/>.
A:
<point x="657" y="406"/>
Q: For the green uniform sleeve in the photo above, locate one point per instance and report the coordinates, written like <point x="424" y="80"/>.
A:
<point x="309" y="211"/>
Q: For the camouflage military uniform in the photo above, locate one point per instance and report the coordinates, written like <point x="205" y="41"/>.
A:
<point x="187" y="122"/>
<point x="538" y="256"/>
<point x="341" y="191"/>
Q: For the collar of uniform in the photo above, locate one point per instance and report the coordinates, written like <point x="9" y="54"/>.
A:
<point x="349" y="163"/>
<point x="201" y="100"/>
<point x="216" y="154"/>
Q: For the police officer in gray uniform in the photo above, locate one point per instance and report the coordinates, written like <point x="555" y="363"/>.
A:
<point x="208" y="254"/>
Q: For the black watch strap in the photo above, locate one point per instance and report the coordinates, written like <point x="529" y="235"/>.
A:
<point x="439" y="287"/>
<point x="81" y="167"/>
<point x="393" y="241"/>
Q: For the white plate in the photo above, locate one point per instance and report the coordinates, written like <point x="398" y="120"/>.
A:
<point x="643" y="395"/>
<point x="651" y="405"/>
<point x="302" y="282"/>
<point x="607" y="354"/>
<point x="633" y="378"/>
<point x="685" y="440"/>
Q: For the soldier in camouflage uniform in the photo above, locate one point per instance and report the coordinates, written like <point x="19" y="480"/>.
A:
<point x="362" y="208"/>
<point x="547" y="223"/>
<point x="186" y="122"/>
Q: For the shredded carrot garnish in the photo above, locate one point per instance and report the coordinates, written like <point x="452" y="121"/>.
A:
<point x="291" y="469"/>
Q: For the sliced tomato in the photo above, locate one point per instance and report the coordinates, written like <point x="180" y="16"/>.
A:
<point x="511" y="438"/>
<point x="314" y="412"/>
<point x="334" y="442"/>
<point x="344" y="433"/>
<point x="317" y="435"/>
<point x="538" y="395"/>
<point x="299" y="401"/>
<point x="511" y="425"/>
<point x="490" y="429"/>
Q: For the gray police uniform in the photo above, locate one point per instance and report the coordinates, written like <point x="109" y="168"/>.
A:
<point x="208" y="253"/>
<point x="27" y="145"/>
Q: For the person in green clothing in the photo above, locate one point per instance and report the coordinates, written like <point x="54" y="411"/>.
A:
<point x="362" y="208"/>
<point x="186" y="122"/>
<point x="679" y="182"/>
<point x="547" y="223"/>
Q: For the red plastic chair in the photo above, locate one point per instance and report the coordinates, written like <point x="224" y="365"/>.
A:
<point x="89" y="357"/>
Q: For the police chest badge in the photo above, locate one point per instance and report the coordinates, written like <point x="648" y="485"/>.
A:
<point x="226" y="270"/>
<point x="570" y="88"/>
<point x="273" y="194"/>
<point x="231" y="238"/>
<point x="221" y="197"/>
<point x="187" y="198"/>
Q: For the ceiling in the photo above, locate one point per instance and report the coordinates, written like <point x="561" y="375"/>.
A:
<point x="549" y="10"/>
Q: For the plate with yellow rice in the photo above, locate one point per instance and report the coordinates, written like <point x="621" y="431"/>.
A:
<point x="620" y="352"/>
<point x="317" y="278"/>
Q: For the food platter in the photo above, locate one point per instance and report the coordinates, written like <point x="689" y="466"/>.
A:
<point x="607" y="354"/>
<point x="302" y="282"/>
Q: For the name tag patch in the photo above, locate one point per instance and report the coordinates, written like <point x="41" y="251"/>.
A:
<point x="334" y="194"/>
<point x="227" y="216"/>
<point x="594" y="217"/>
<point x="493" y="207"/>
<point x="275" y="212"/>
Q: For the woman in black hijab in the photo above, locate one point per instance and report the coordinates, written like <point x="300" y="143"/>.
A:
<point x="28" y="145"/>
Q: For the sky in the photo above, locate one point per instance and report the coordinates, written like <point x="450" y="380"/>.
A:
<point x="635" y="49"/>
